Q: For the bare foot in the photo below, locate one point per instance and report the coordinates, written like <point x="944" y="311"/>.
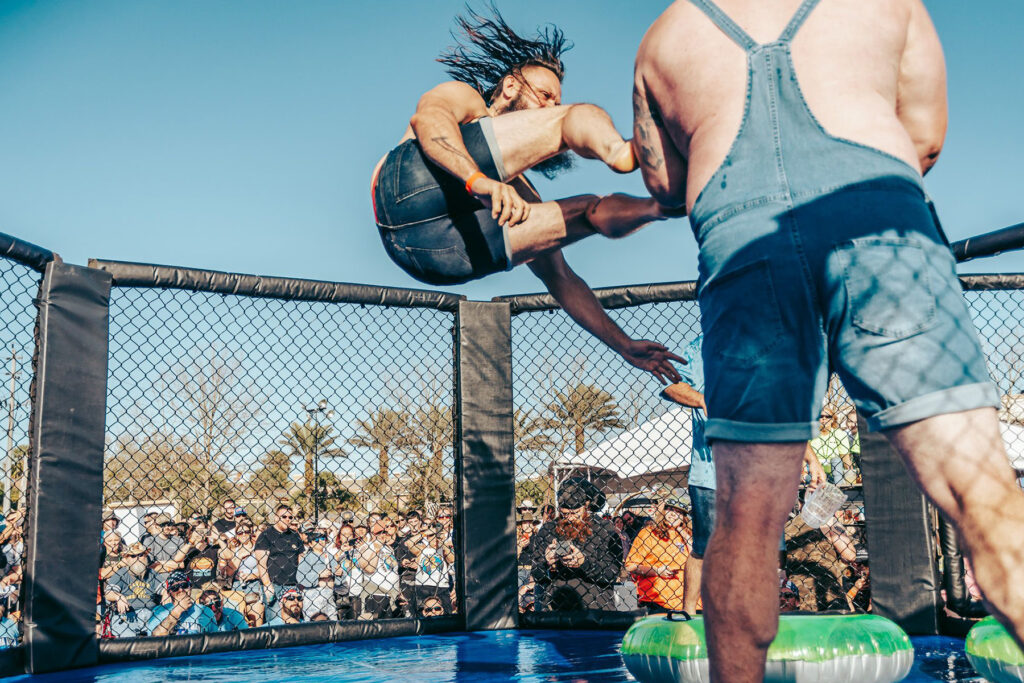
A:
<point x="623" y="158"/>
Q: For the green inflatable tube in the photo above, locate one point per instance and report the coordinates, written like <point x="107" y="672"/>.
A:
<point x="993" y="654"/>
<point x="809" y="648"/>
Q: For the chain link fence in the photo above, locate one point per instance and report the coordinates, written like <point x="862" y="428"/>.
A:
<point x="271" y="461"/>
<point x="20" y="285"/>
<point x="581" y="413"/>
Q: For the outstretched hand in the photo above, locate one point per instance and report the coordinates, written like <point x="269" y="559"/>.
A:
<point x="653" y="357"/>
<point x="506" y="204"/>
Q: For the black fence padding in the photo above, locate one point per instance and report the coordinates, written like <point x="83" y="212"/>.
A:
<point x="904" y="581"/>
<point x="313" y="633"/>
<point x="486" y="478"/>
<point x="66" y="469"/>
<point x="989" y="244"/>
<point x="171" y="277"/>
<point x="992" y="282"/>
<point x="664" y="292"/>
<point x="26" y="253"/>
<point x="610" y="297"/>
<point x="12" y="661"/>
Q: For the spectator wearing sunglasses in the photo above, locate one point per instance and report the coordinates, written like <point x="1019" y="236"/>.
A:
<point x="431" y="607"/>
<point x="132" y="593"/>
<point x="182" y="615"/>
<point x="380" y="570"/>
<point x="227" y="619"/>
<point x="434" y="558"/>
<point x="277" y="551"/>
<point x="238" y="562"/>
<point x="165" y="546"/>
<point x="291" y="608"/>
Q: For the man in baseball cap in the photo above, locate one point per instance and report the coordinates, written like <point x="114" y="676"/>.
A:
<point x="181" y="615"/>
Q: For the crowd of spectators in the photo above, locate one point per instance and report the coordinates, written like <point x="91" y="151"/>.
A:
<point x="12" y="551"/>
<point x="199" y="575"/>
<point x="580" y="557"/>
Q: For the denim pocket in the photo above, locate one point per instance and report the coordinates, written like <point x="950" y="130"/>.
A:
<point x="740" y="312"/>
<point x="888" y="290"/>
<point x="412" y="176"/>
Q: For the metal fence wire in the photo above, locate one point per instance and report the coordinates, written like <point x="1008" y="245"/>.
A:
<point x="20" y="285"/>
<point x="586" y="421"/>
<point x="271" y="461"/>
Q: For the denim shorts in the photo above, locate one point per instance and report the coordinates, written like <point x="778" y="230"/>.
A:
<point x="859" y="280"/>
<point x="430" y="226"/>
<point x="703" y="505"/>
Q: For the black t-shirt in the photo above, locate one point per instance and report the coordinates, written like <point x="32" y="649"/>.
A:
<point x="283" y="550"/>
<point x="402" y="552"/>
<point x="201" y="566"/>
<point x="224" y="525"/>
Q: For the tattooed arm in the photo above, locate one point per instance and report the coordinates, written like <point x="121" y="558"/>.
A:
<point x="436" y="124"/>
<point x="662" y="166"/>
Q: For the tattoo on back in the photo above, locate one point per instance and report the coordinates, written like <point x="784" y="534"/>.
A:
<point x="442" y="141"/>
<point x="648" y="122"/>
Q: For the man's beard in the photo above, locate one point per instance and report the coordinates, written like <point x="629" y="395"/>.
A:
<point x="574" y="530"/>
<point x="551" y="167"/>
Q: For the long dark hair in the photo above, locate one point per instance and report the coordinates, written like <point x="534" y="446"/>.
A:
<point x="487" y="49"/>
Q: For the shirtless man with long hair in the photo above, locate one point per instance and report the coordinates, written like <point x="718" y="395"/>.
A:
<point x="451" y="202"/>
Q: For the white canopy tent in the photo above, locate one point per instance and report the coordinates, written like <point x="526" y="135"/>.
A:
<point x="661" y="443"/>
<point x="1013" y="437"/>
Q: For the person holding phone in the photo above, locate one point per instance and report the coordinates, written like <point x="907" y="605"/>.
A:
<point x="578" y="556"/>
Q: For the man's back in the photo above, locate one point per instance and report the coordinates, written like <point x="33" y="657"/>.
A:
<point x="871" y="71"/>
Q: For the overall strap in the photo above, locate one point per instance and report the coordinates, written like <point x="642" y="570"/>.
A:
<point x="728" y="26"/>
<point x="797" y="21"/>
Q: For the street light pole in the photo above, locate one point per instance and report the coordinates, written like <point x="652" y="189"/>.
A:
<point x="319" y="409"/>
<point x="6" y="486"/>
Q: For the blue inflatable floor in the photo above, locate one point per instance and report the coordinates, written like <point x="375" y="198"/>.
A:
<point x="536" y="656"/>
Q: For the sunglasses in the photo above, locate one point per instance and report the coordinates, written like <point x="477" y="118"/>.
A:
<point x="213" y="604"/>
<point x="135" y="555"/>
<point x="292" y="598"/>
<point x="175" y="587"/>
<point x="433" y="610"/>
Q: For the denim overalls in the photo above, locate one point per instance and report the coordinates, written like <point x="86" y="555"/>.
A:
<point x="819" y="254"/>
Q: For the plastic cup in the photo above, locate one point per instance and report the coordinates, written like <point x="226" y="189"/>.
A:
<point x="822" y="504"/>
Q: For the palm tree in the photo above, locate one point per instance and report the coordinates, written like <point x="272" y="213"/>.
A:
<point x="583" y="407"/>
<point x="383" y="432"/>
<point x="528" y="432"/>
<point x="310" y="441"/>
<point x="433" y="429"/>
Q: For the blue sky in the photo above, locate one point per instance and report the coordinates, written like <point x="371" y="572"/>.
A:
<point x="239" y="135"/>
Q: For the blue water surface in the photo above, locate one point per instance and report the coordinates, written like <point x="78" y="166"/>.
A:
<point x="540" y="656"/>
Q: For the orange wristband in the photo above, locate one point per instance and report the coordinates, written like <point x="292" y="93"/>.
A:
<point x="472" y="179"/>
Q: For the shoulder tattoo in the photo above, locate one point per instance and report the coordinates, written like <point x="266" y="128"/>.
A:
<point x="649" y="124"/>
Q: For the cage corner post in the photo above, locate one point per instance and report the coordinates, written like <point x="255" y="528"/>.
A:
<point x="65" y="483"/>
<point x="487" y="578"/>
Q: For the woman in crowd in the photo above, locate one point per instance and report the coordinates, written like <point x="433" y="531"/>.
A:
<point x="348" y="579"/>
<point x="239" y="566"/>
<point x="658" y="556"/>
<point x="377" y="561"/>
<point x="434" y="559"/>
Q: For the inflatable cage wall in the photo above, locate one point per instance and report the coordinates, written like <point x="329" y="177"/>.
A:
<point x="135" y="388"/>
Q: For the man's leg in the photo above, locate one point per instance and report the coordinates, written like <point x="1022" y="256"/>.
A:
<point x="530" y="136"/>
<point x="556" y="224"/>
<point x="756" y="487"/>
<point x="960" y="462"/>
